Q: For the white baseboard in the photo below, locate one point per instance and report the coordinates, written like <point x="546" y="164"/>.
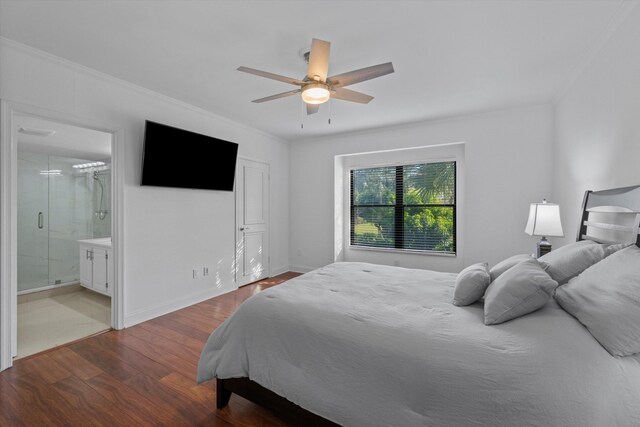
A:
<point x="162" y="309"/>
<point x="280" y="270"/>
<point x="301" y="268"/>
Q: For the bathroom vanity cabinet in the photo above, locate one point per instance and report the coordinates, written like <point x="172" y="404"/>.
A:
<point x="96" y="266"/>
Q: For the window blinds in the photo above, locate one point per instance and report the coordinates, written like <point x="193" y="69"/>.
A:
<point x="411" y="207"/>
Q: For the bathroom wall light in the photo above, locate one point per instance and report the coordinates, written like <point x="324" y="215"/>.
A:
<point x="88" y="165"/>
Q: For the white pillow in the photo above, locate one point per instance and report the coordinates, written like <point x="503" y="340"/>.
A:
<point x="570" y="260"/>
<point x="522" y="289"/>
<point x="606" y="299"/>
<point x="471" y="284"/>
<point x="506" y="264"/>
<point x="611" y="249"/>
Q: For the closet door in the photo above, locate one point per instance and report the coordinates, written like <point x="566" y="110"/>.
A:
<point x="252" y="209"/>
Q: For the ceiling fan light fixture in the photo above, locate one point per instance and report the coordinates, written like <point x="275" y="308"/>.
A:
<point x="316" y="93"/>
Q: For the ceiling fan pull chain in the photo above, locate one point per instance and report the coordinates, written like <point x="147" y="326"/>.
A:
<point x="329" y="110"/>
<point x="303" y="105"/>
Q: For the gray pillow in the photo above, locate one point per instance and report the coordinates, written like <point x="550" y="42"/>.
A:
<point x="506" y="264"/>
<point x="611" y="249"/>
<point x="522" y="289"/>
<point x="570" y="260"/>
<point x="471" y="284"/>
<point x="606" y="299"/>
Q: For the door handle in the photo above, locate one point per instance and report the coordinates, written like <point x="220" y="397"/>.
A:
<point x="40" y="220"/>
<point x="244" y="228"/>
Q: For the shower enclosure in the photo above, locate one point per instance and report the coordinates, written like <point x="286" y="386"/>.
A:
<point x="60" y="200"/>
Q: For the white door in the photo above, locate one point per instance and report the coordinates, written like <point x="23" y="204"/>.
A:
<point x="86" y="266"/>
<point x="252" y="207"/>
<point x="100" y="270"/>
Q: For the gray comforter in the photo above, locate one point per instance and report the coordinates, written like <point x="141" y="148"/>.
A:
<point x="370" y="345"/>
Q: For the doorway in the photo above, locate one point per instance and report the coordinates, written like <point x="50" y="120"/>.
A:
<point x="252" y="211"/>
<point x="60" y="183"/>
<point x="62" y="202"/>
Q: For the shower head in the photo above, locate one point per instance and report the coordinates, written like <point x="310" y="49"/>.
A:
<point x="100" y="213"/>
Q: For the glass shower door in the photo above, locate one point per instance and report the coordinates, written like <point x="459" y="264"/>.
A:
<point x="32" y="221"/>
<point x="55" y="210"/>
<point x="70" y="218"/>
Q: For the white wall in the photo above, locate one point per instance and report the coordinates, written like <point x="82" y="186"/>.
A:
<point x="598" y="124"/>
<point x="167" y="231"/>
<point x="507" y="161"/>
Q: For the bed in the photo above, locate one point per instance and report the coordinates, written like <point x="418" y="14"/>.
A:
<point x="359" y="344"/>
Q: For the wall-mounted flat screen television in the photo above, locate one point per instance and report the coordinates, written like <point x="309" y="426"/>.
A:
<point x="178" y="158"/>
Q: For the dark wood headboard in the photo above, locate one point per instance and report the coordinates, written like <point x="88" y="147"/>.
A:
<point x="614" y="214"/>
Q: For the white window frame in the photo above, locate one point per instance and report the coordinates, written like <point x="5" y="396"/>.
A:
<point x="344" y="164"/>
<point x="402" y="250"/>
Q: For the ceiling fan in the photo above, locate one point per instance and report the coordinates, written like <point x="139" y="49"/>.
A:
<point x="316" y="88"/>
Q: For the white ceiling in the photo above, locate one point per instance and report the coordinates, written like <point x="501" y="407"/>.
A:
<point x="450" y="57"/>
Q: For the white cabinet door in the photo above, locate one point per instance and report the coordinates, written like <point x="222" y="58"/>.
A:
<point x="96" y="269"/>
<point x="86" y="266"/>
<point x="100" y="269"/>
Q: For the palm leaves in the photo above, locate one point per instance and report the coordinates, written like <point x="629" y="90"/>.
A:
<point x="434" y="182"/>
<point x="418" y="213"/>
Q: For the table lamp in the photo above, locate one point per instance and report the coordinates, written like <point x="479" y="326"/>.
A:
<point x="544" y="220"/>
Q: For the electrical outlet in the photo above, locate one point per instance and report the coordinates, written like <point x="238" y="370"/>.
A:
<point x="195" y="273"/>
<point x="205" y="271"/>
<point x="396" y="263"/>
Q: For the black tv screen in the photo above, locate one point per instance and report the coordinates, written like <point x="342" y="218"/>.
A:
<point x="178" y="158"/>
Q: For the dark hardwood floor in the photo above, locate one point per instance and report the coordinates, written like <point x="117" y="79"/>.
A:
<point x="143" y="375"/>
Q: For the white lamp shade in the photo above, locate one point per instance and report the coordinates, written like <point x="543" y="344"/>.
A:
<point x="544" y="220"/>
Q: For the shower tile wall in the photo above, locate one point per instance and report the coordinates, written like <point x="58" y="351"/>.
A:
<point x="49" y="255"/>
<point x="102" y="227"/>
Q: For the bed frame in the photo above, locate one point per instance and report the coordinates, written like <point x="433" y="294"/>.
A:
<point x="264" y="397"/>
<point x="608" y="216"/>
<point x="611" y="216"/>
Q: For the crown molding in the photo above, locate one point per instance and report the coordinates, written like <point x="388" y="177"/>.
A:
<point x="618" y="17"/>
<point x="424" y="122"/>
<point x="74" y="66"/>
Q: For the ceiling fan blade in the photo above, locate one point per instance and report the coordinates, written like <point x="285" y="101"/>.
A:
<point x="318" y="60"/>
<point x="312" y="108"/>
<point x="271" y="76"/>
<point x="351" y="95"/>
<point x="278" y="96"/>
<point x="357" y="76"/>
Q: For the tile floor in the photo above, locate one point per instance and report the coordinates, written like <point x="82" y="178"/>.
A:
<point x="48" y="319"/>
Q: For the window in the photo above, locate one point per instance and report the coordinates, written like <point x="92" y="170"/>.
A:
<point x="408" y="207"/>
